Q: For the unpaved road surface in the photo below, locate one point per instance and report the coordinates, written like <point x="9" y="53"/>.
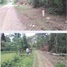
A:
<point x="43" y="61"/>
<point x="9" y="19"/>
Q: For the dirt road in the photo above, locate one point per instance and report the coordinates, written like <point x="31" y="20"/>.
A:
<point x="9" y="19"/>
<point x="42" y="60"/>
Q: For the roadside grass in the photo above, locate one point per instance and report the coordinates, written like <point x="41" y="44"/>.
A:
<point x="22" y="8"/>
<point x="33" y="16"/>
<point x="1" y="5"/>
<point x="6" y="56"/>
<point x="14" y="60"/>
<point x="43" y="60"/>
<point x="35" y="63"/>
<point x="60" y="65"/>
<point x="61" y="58"/>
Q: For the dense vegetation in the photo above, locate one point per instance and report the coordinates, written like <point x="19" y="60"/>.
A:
<point x="14" y="51"/>
<point x="4" y="1"/>
<point x="11" y="59"/>
<point x="51" y="42"/>
<point x="56" y="7"/>
<point x="18" y="43"/>
<point x="54" y="42"/>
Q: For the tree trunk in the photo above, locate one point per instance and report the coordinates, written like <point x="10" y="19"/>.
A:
<point x="56" y="42"/>
<point x="20" y="53"/>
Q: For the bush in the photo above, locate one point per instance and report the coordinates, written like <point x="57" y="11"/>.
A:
<point x="51" y="11"/>
<point x="60" y="65"/>
<point x="7" y="64"/>
<point x="56" y="11"/>
<point x="15" y="1"/>
<point x="10" y="63"/>
<point x="16" y="58"/>
<point x="36" y="3"/>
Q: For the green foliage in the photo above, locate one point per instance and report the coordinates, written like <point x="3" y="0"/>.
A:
<point x="16" y="61"/>
<point x="15" y="1"/>
<point x="10" y="63"/>
<point x="56" y="11"/>
<point x="56" y="2"/>
<point x="60" y="65"/>
<point x="39" y="40"/>
<point x="25" y="41"/>
<point x="4" y="1"/>
<point x="52" y="11"/>
<point x="54" y="42"/>
<point x="18" y="43"/>
<point x="7" y="38"/>
<point x="54" y="6"/>
<point x="61" y="43"/>
<point x="36" y="3"/>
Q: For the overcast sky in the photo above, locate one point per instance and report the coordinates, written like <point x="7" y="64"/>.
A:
<point x="27" y="34"/>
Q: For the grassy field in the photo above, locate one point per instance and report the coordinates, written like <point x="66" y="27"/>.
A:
<point x="13" y="60"/>
<point x="35" y="62"/>
<point x="7" y="56"/>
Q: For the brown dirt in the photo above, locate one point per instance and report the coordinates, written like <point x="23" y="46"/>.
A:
<point x="9" y="19"/>
<point x="55" y="59"/>
<point x="43" y="61"/>
<point x="33" y="16"/>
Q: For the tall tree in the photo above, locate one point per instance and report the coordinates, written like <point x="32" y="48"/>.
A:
<point x="25" y="41"/>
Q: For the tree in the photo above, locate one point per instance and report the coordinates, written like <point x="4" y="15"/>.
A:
<point x="3" y="1"/>
<point x="25" y="41"/>
<point x="7" y="38"/>
<point x="55" y="42"/>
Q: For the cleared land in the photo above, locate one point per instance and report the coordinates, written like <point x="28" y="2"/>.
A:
<point x="36" y="59"/>
<point x="33" y="20"/>
<point x="25" y="17"/>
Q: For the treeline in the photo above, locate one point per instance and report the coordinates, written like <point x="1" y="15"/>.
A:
<point x="15" y="42"/>
<point x="54" y="6"/>
<point x="53" y="42"/>
<point x="3" y="1"/>
<point x="15" y="1"/>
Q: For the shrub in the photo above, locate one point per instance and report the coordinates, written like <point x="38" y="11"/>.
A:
<point x="16" y="58"/>
<point x="15" y="1"/>
<point x="60" y="65"/>
<point x="10" y="63"/>
<point x="56" y="11"/>
<point x="52" y="11"/>
<point x="36" y="3"/>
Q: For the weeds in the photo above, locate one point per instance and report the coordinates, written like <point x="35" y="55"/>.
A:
<point x="60" y="65"/>
<point x="17" y="61"/>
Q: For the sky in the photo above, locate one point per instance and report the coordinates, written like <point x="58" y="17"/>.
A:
<point x="27" y="34"/>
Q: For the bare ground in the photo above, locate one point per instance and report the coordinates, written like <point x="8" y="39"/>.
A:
<point x="43" y="61"/>
<point x="9" y="19"/>
<point x="46" y="60"/>
<point x="33" y="16"/>
<point x="55" y="59"/>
